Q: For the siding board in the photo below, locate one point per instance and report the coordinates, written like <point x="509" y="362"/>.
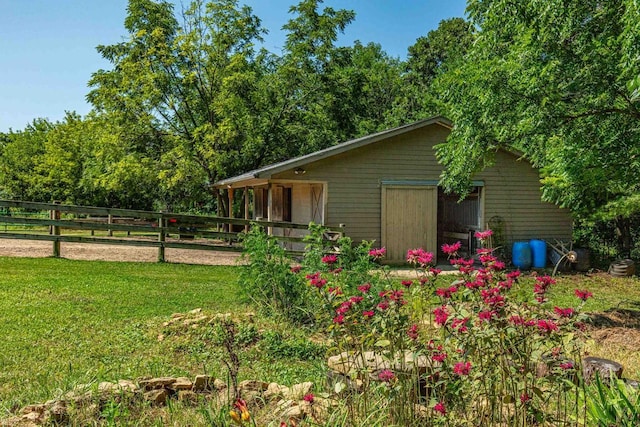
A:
<point x="511" y="187"/>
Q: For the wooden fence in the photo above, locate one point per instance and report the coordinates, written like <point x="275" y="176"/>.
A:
<point x="70" y="223"/>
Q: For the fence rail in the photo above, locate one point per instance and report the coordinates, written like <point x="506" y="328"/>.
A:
<point x="143" y="228"/>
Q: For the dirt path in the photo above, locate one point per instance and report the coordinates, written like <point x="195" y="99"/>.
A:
<point x="103" y="252"/>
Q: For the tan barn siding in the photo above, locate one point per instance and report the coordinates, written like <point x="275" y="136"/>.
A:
<point x="353" y="178"/>
<point x="512" y="191"/>
<point x="512" y="188"/>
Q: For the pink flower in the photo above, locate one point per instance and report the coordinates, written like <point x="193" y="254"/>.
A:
<point x="412" y="332"/>
<point x="460" y="324"/>
<point x="462" y="368"/>
<point x="583" y="294"/>
<point x="377" y="253"/>
<point x="513" y="274"/>
<point x="344" y="307"/>
<point x="451" y="249"/>
<point x="439" y="407"/>
<point x="355" y="299"/>
<point x="546" y="280"/>
<point x="524" y="398"/>
<point x="329" y="259"/>
<point x="487" y="315"/>
<point x="419" y="256"/>
<point x="309" y="397"/>
<point x="397" y="296"/>
<point x="566" y="365"/>
<point x="368" y="314"/>
<point x="339" y="319"/>
<point x="446" y="292"/>
<point x="434" y="271"/>
<point x="498" y="265"/>
<point x="441" y="315"/>
<point x="335" y="290"/>
<point x="564" y="312"/>
<point x="439" y="357"/>
<point x="312" y="276"/>
<point x="296" y="269"/>
<point x="483" y="235"/>
<point x="547" y="326"/>
<point x="386" y="375"/>
<point x="492" y="297"/>
<point x="518" y="320"/>
<point x="364" y="288"/>
<point x="407" y="283"/>
<point x="318" y="283"/>
<point x="383" y="305"/>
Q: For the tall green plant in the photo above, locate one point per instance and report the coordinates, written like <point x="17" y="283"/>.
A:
<point x="268" y="280"/>
<point x="612" y="404"/>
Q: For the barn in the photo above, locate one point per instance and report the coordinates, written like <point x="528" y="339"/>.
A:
<point x="384" y="187"/>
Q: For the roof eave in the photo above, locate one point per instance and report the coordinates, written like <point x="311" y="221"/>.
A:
<point x="268" y="171"/>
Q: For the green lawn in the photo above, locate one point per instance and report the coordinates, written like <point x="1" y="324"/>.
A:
<point x="66" y="322"/>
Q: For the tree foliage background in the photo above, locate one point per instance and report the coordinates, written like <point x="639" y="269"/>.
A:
<point x="190" y="98"/>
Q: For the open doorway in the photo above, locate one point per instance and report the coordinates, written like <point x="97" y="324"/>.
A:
<point x="459" y="220"/>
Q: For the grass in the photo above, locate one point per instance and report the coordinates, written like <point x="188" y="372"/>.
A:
<point x="68" y="322"/>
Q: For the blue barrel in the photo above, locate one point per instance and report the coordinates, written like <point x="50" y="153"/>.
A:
<point x="522" y="255"/>
<point x="538" y="253"/>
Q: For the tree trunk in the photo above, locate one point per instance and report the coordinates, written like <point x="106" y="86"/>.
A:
<point x="623" y="230"/>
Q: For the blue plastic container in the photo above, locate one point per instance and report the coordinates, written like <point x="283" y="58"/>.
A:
<point x="522" y="257"/>
<point x="538" y="253"/>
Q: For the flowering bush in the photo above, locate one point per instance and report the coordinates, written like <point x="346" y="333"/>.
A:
<point x="486" y="356"/>
<point x="480" y="347"/>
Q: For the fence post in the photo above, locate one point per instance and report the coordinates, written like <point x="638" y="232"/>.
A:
<point x="161" y="238"/>
<point x="110" y="221"/>
<point x="54" y="214"/>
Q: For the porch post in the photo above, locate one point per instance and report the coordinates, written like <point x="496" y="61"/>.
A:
<point x="230" y="194"/>
<point x="269" y="208"/>
<point x="246" y="209"/>
<point x="219" y="207"/>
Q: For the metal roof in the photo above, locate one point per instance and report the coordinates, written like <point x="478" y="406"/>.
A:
<point x="267" y="171"/>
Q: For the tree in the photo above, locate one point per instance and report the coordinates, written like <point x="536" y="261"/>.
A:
<point x="550" y="79"/>
<point x="220" y="107"/>
<point x="195" y="83"/>
<point x="429" y="57"/>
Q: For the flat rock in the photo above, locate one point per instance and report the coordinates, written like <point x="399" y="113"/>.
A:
<point x="58" y="412"/>
<point x="297" y="391"/>
<point x="292" y="412"/>
<point x="275" y="391"/>
<point x="219" y="385"/>
<point x="157" y="397"/>
<point x="195" y="320"/>
<point x="157" y="383"/>
<point x="203" y="383"/>
<point x="369" y="361"/>
<point x="188" y="397"/>
<point x="182" y="383"/>
<point x="604" y="368"/>
<point x="252" y="385"/>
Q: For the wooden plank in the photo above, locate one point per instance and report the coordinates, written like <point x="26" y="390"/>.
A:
<point x="409" y="219"/>
<point x="78" y="225"/>
<point x="197" y="246"/>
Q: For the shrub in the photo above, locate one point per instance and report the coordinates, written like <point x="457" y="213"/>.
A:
<point x="268" y="280"/>
<point x="488" y="356"/>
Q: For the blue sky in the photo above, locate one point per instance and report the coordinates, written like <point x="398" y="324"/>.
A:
<point x="47" y="47"/>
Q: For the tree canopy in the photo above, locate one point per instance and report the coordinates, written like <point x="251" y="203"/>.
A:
<point x="555" y="81"/>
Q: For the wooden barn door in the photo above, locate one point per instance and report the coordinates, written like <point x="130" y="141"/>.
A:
<point x="409" y="219"/>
